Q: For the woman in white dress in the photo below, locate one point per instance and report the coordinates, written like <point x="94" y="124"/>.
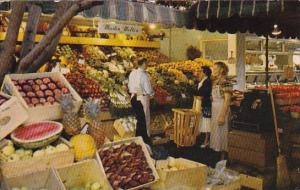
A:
<point x="204" y="91"/>
<point x="221" y="95"/>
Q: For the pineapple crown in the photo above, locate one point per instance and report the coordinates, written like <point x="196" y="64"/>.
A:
<point x="92" y="107"/>
<point x="66" y="102"/>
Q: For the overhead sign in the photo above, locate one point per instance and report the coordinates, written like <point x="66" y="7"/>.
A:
<point x="119" y="28"/>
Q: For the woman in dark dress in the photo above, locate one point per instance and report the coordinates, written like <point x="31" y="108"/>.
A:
<point x="204" y="91"/>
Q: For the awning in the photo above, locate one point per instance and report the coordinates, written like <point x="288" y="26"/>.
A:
<point x="126" y="11"/>
<point x="254" y="16"/>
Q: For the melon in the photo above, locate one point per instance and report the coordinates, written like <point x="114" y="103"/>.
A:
<point x="36" y="135"/>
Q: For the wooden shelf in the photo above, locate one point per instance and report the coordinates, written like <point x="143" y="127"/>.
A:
<point x="95" y="41"/>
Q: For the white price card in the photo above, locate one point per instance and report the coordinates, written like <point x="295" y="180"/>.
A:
<point x="84" y="129"/>
<point x="81" y="61"/>
<point x="183" y="95"/>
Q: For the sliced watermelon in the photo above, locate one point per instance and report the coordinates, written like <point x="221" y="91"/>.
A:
<point x="37" y="135"/>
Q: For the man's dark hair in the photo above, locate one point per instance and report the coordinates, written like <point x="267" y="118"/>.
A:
<point x="141" y="61"/>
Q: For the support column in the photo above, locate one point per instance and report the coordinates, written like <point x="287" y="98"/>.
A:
<point x="237" y="45"/>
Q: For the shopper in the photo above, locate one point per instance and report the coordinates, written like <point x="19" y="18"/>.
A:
<point x="140" y="89"/>
<point x="221" y="94"/>
<point x="204" y="91"/>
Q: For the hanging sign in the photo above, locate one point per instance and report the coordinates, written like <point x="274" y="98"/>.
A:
<point x="119" y="28"/>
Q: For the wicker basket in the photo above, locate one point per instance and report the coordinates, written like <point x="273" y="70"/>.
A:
<point x="193" y="176"/>
<point x="186" y="123"/>
<point x="78" y="174"/>
<point x="139" y="141"/>
<point x="9" y="120"/>
<point x="30" y="165"/>
<point x="47" y="179"/>
<point x="40" y="113"/>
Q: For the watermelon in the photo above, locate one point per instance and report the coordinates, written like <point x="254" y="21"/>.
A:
<point x="36" y="135"/>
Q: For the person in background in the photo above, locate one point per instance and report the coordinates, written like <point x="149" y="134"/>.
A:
<point x="140" y="89"/>
<point x="204" y="91"/>
<point x="221" y="95"/>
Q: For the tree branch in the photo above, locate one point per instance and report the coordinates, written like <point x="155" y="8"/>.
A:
<point x="9" y="44"/>
<point x="53" y="32"/>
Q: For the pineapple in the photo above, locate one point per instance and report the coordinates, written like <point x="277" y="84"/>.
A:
<point x="71" y="120"/>
<point x="95" y="129"/>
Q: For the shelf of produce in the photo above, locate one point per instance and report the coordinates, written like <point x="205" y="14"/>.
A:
<point x="94" y="41"/>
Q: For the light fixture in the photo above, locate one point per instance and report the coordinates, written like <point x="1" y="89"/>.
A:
<point x="231" y="59"/>
<point x="56" y="1"/>
<point x="152" y="26"/>
<point x="276" y="30"/>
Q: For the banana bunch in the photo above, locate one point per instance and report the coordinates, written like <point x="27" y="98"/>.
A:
<point x="93" y="52"/>
<point x="120" y="100"/>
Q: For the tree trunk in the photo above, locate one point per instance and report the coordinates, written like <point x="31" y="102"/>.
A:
<point x="9" y="45"/>
<point x="46" y="55"/>
<point x="31" y="29"/>
<point x="52" y="33"/>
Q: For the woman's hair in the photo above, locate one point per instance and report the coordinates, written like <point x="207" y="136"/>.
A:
<point x="223" y="66"/>
<point x="206" y="70"/>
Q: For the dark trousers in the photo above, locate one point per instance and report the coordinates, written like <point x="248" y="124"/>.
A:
<point x="141" y="129"/>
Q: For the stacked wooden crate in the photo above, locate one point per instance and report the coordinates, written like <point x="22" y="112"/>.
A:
<point x="254" y="149"/>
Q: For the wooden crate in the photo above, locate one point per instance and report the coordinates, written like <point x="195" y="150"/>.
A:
<point x="186" y="123"/>
<point x="40" y="113"/>
<point x="254" y="149"/>
<point x="139" y="141"/>
<point x="30" y="165"/>
<point x="9" y="119"/>
<point x="235" y="185"/>
<point x="194" y="175"/>
<point x="81" y="173"/>
<point x="47" y="179"/>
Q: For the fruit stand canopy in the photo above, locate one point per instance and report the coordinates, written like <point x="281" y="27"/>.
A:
<point x="246" y="16"/>
<point x="124" y="10"/>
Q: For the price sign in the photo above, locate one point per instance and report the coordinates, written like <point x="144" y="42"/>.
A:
<point x="183" y="96"/>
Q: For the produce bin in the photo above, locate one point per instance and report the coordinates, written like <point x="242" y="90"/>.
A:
<point x="45" y="112"/>
<point x="188" y="174"/>
<point x="138" y="141"/>
<point x="12" y="115"/>
<point x="46" y="179"/>
<point x="81" y="173"/>
<point x="235" y="185"/>
<point x="186" y="124"/>
<point x="30" y="165"/>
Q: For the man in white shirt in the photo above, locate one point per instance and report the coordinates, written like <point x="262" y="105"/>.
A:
<point x="140" y="89"/>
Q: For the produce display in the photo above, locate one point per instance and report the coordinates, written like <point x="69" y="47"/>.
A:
<point x="40" y="91"/>
<point x="88" y="88"/>
<point x="84" y="146"/>
<point x="36" y="135"/>
<point x="10" y="154"/>
<point x="2" y="99"/>
<point x="89" y="186"/>
<point x="125" y="126"/>
<point x="153" y="57"/>
<point x="24" y="188"/>
<point x="126" y="166"/>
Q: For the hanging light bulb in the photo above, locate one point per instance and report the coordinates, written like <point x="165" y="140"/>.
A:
<point x="276" y="30"/>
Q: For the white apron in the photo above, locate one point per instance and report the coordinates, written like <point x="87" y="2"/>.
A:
<point x="145" y="100"/>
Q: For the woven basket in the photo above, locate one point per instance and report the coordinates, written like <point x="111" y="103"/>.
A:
<point x="40" y="113"/>
<point x="193" y="176"/>
<point x="30" y="165"/>
<point x="81" y="173"/>
<point x="98" y="133"/>
<point x="47" y="179"/>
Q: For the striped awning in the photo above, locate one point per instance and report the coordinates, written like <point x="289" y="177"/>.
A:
<point x="255" y="16"/>
<point x="126" y="11"/>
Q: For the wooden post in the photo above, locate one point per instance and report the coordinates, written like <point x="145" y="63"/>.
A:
<point x="267" y="61"/>
<point x="31" y="28"/>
